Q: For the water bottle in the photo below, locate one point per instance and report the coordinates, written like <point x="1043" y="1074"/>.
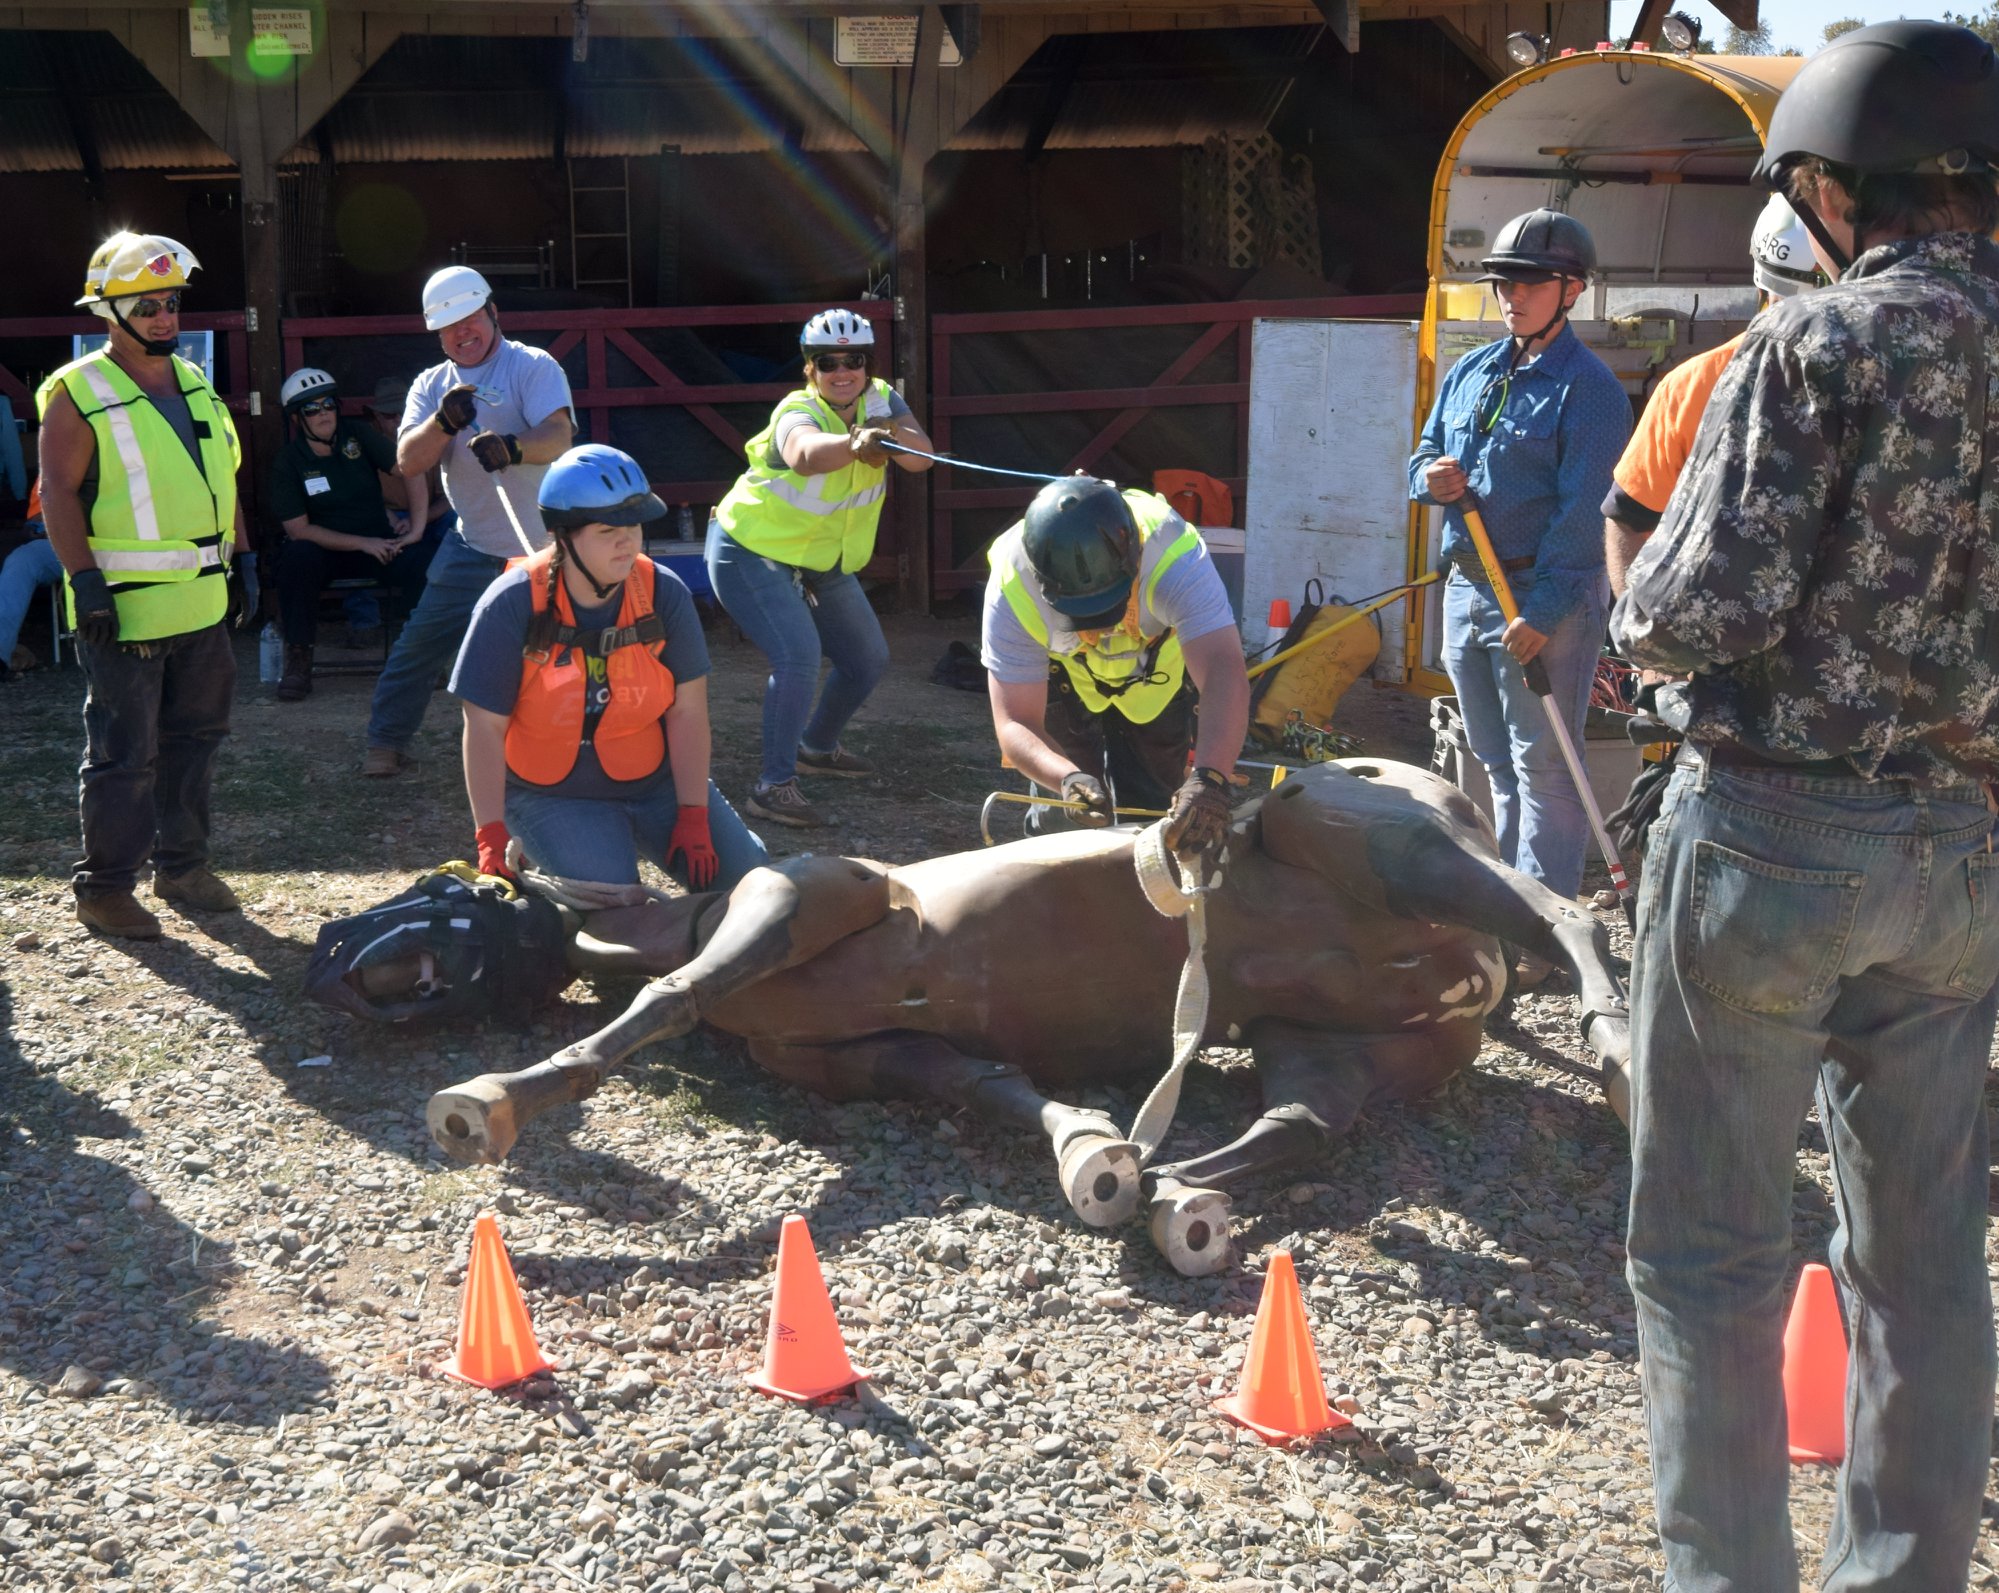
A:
<point x="271" y="655"/>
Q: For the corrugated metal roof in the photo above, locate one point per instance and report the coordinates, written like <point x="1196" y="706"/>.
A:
<point x="1137" y="115"/>
<point x="1132" y="91"/>
<point x="56" y="84"/>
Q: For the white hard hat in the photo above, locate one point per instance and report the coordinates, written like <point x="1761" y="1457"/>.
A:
<point x="452" y="294"/>
<point x="303" y="383"/>
<point x="837" y="329"/>
<point x="129" y="264"/>
<point x="1780" y="251"/>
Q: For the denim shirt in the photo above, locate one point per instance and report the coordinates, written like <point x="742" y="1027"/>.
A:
<point x="1539" y="469"/>
<point x="1828" y="567"/>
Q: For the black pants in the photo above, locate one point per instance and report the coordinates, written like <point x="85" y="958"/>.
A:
<point x="304" y="568"/>
<point x="155" y="714"/>
<point x="1145" y="763"/>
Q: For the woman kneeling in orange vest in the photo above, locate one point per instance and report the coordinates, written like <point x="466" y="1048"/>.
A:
<point x="584" y="680"/>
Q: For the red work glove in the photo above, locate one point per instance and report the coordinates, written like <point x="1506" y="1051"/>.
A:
<point x="492" y="839"/>
<point x="690" y="840"/>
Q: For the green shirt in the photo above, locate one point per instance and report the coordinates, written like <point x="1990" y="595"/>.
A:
<point x="342" y="492"/>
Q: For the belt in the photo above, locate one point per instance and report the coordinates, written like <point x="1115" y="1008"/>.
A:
<point x="1468" y="565"/>
<point x="1731" y="755"/>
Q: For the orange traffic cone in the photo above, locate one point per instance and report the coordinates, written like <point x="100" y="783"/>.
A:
<point x="1282" y="1396"/>
<point x="496" y="1344"/>
<point x="1280" y="619"/>
<point x="806" y="1359"/>
<point x="1815" y="1371"/>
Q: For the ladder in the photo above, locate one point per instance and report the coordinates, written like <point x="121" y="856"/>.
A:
<point x="600" y="225"/>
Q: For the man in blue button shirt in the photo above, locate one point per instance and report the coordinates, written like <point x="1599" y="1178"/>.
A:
<point x="1532" y="427"/>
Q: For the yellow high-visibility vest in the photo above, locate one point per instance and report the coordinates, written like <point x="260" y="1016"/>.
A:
<point x="811" y="522"/>
<point x="1136" y="666"/>
<point x="161" y="526"/>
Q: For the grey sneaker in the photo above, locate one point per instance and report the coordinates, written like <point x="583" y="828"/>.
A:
<point x="838" y="761"/>
<point x="784" y="803"/>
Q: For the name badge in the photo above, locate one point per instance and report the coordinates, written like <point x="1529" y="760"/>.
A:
<point x="315" y="485"/>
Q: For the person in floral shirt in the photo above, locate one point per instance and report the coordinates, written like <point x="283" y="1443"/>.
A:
<point x="1815" y="915"/>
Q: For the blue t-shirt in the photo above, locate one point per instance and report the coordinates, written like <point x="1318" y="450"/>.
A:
<point x="519" y="388"/>
<point x="488" y="671"/>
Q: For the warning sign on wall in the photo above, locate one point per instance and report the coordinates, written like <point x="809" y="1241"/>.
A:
<point x="284" y="31"/>
<point x="885" y="41"/>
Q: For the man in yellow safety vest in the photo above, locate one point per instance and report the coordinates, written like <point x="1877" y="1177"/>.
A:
<point x="139" y="462"/>
<point x="1104" y="621"/>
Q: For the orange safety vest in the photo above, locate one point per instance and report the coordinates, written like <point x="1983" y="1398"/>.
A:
<point x="545" y="731"/>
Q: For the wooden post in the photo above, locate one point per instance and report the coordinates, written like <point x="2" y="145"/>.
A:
<point x="916" y="140"/>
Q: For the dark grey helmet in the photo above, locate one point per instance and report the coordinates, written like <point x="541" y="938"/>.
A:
<point x="1080" y="538"/>
<point x="1896" y="97"/>
<point x="1540" y="245"/>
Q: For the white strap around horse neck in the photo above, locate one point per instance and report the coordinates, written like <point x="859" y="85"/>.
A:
<point x="1160" y="877"/>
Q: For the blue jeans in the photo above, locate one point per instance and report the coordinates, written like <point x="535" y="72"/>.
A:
<point x="591" y="839"/>
<point x="1540" y="819"/>
<point x="1801" y="934"/>
<point x="152" y="724"/>
<point x="29" y="568"/>
<point x="459" y="576"/>
<point x="769" y="601"/>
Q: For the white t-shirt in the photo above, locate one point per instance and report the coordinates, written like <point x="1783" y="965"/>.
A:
<point x="519" y="388"/>
<point x="1190" y="597"/>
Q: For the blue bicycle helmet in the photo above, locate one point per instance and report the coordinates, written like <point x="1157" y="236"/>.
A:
<point x="596" y="485"/>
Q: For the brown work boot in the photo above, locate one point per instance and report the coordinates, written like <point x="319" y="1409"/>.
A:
<point x="117" y="913"/>
<point x="784" y="803"/>
<point x="296" y="683"/>
<point x="838" y="761"/>
<point x="383" y="762"/>
<point x="198" y="889"/>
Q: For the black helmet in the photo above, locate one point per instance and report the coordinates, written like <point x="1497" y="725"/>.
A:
<point x="1538" y="246"/>
<point x="1083" y="544"/>
<point x="1896" y="97"/>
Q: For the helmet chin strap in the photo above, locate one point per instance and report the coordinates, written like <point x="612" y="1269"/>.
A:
<point x="1815" y="225"/>
<point x="570" y="554"/>
<point x="158" y="348"/>
<point x="1520" y="344"/>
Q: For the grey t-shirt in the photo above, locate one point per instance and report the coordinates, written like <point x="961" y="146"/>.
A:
<point x="519" y="388"/>
<point x="1190" y="597"/>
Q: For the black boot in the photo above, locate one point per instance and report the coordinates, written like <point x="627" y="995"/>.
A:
<point x="297" y="680"/>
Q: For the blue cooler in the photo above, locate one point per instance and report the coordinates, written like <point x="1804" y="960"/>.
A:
<point x="684" y="559"/>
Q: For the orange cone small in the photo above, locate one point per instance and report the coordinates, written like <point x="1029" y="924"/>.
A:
<point x="1280" y="619"/>
<point x="1282" y="1395"/>
<point x="805" y="1359"/>
<point x="1815" y="1371"/>
<point x="496" y="1344"/>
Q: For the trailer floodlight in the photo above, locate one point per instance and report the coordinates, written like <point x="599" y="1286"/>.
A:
<point x="1526" y="49"/>
<point x="1682" y="32"/>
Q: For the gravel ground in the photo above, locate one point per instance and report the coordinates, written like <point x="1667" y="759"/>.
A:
<point x="231" y="1264"/>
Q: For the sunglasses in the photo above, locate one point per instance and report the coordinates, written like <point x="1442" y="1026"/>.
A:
<point x="318" y="406"/>
<point x="840" y="362"/>
<point x="146" y="309"/>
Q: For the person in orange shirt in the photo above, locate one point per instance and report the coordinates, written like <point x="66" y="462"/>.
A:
<point x="1780" y="253"/>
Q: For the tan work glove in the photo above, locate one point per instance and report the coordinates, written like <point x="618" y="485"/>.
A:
<point x="1198" y="820"/>
<point x="1095" y="812"/>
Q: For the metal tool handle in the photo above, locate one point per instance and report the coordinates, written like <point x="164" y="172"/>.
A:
<point x="1538" y="683"/>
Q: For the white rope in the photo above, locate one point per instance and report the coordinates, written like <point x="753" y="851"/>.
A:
<point x="1161" y="879"/>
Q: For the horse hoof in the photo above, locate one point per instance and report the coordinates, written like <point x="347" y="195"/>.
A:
<point x="1191" y="1229"/>
<point x="473" y="1122"/>
<point x="1099" y="1176"/>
